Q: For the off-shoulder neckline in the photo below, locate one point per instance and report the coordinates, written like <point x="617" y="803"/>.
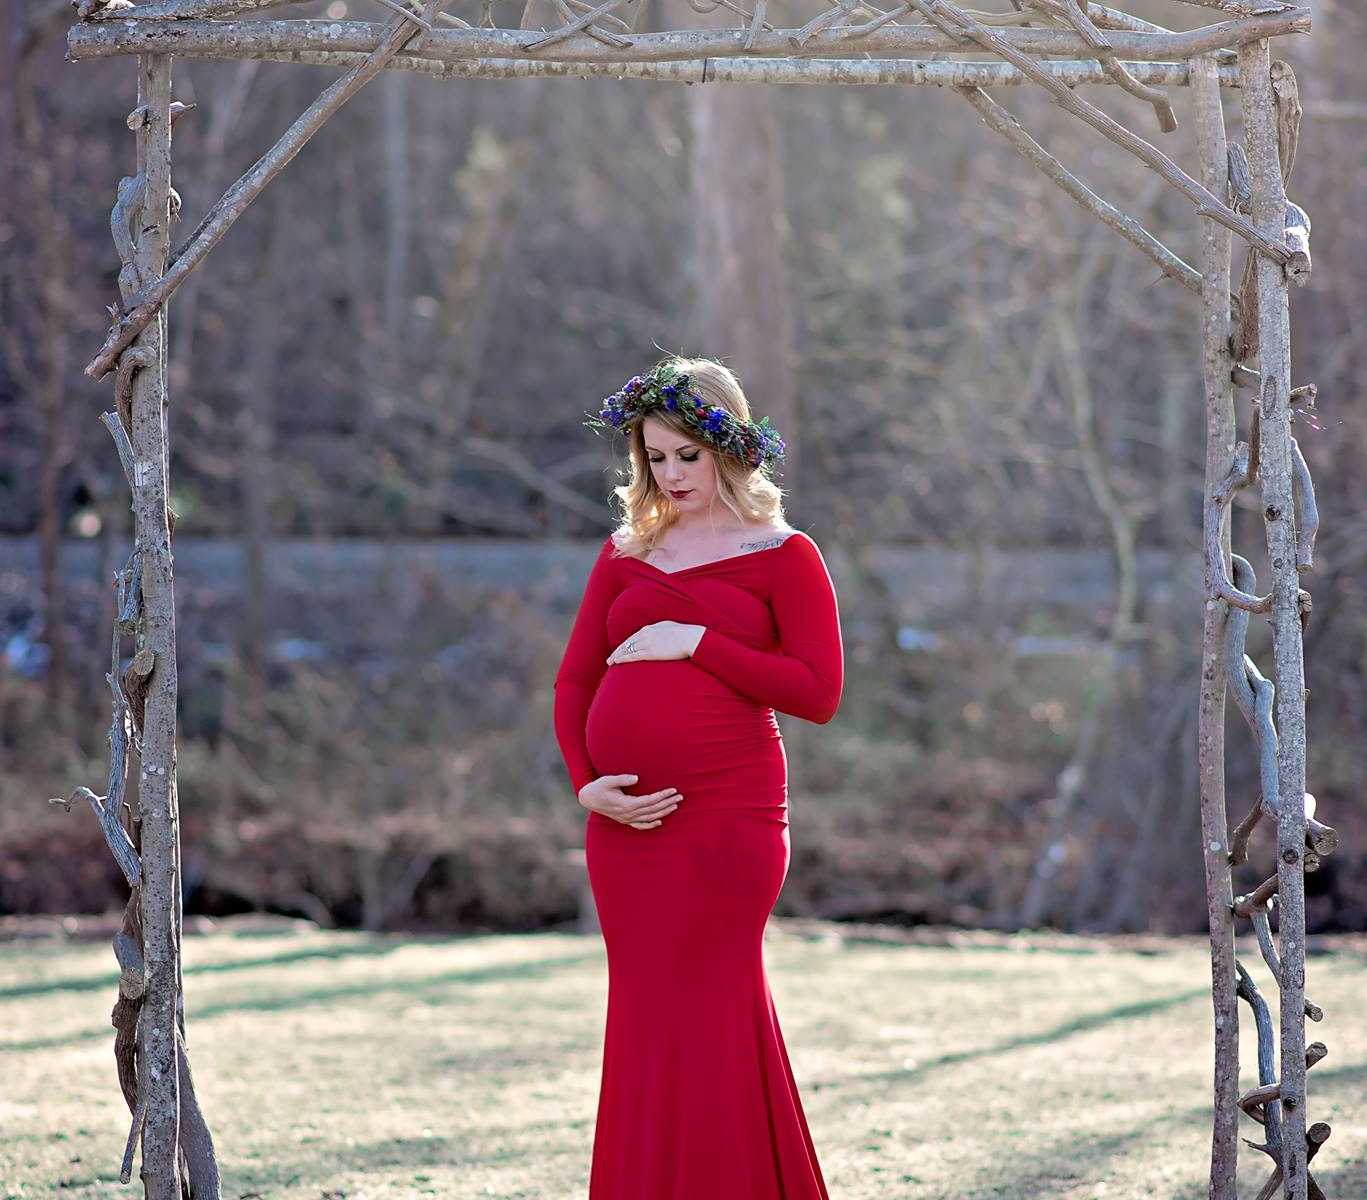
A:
<point x="711" y="562"/>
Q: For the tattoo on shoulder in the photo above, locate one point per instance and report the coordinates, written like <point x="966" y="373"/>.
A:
<point x="765" y="543"/>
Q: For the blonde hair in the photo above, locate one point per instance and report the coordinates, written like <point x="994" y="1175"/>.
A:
<point x="747" y="491"/>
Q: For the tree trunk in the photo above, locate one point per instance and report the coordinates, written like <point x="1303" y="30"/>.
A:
<point x="743" y="312"/>
<point x="1216" y="248"/>
<point x="158" y="1068"/>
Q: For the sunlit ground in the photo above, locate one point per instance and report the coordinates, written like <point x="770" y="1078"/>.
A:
<point x="342" y="1065"/>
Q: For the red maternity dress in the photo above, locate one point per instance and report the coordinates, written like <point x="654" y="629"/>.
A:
<point x="697" y="1097"/>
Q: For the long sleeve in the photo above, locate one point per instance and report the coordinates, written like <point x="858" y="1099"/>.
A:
<point x="582" y="666"/>
<point x="805" y="677"/>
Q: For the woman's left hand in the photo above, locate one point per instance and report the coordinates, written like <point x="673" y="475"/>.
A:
<point x="661" y="640"/>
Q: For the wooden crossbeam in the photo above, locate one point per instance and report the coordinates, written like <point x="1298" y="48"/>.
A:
<point x="249" y="39"/>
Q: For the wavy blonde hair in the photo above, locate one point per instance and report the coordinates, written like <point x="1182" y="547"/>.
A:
<point x="747" y="491"/>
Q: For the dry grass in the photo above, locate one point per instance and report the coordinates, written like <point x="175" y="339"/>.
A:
<point x="343" y="1065"/>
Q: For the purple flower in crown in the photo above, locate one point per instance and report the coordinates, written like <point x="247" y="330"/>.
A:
<point x="750" y="441"/>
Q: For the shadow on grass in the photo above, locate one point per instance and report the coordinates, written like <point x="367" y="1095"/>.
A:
<point x="411" y="985"/>
<point x="462" y="1150"/>
<point x="1081" y="1158"/>
<point x="1070" y="1159"/>
<point x="95" y="983"/>
<point x="1078" y="1157"/>
<point x="1083" y="1024"/>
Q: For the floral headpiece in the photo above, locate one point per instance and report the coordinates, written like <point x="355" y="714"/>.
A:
<point x="754" y="442"/>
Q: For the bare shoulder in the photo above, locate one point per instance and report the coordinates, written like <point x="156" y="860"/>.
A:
<point x="766" y="537"/>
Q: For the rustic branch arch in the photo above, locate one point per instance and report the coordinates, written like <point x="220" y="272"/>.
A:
<point x="1055" y="44"/>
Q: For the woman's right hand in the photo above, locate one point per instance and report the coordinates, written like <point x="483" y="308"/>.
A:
<point x="604" y="795"/>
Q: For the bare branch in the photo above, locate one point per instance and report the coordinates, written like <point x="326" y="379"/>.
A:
<point x="882" y="72"/>
<point x="1073" y="13"/>
<point x="1309" y="523"/>
<point x="1207" y="204"/>
<point x="121" y="443"/>
<point x="236" y="200"/>
<point x="1241" y="474"/>
<point x="583" y="22"/>
<point x="248" y="39"/>
<point x="1004" y="123"/>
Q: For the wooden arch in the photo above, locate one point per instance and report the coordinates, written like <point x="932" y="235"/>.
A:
<point x="1054" y="44"/>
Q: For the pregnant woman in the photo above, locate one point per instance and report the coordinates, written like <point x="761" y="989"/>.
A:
<point x="703" y="615"/>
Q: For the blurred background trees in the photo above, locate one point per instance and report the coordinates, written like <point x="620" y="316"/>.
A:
<point x="387" y="499"/>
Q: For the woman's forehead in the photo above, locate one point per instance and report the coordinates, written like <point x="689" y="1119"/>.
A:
<point x="662" y="437"/>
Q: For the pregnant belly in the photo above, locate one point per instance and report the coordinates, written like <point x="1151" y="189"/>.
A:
<point x="676" y="725"/>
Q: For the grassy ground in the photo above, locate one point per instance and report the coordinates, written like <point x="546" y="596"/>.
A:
<point x="340" y="1065"/>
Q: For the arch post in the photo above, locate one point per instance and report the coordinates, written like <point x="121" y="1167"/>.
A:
<point x="1217" y="374"/>
<point x="158" y="1075"/>
<point x="1274" y="467"/>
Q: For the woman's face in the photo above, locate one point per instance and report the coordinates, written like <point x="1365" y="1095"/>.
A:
<point x="683" y="469"/>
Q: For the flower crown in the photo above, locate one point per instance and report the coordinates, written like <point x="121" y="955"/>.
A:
<point x="754" y="442"/>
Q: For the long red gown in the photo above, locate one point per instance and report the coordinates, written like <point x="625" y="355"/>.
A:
<point x="697" y="1099"/>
